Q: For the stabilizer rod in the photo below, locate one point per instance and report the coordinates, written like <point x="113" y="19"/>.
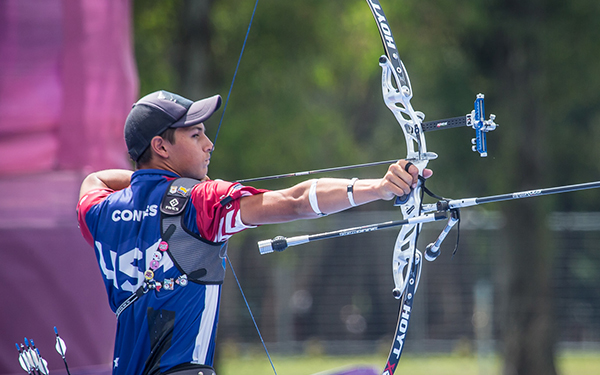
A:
<point x="468" y="202"/>
<point x="281" y="243"/>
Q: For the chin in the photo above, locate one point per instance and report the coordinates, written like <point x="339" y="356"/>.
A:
<point x="193" y="174"/>
<point x="201" y="175"/>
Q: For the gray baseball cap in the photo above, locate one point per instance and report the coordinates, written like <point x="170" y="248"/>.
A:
<point x="160" y="110"/>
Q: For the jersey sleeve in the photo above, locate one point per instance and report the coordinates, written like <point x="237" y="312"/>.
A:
<point x="84" y="205"/>
<point x="217" y="205"/>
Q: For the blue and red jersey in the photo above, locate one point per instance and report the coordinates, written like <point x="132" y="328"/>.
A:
<point x="163" y="328"/>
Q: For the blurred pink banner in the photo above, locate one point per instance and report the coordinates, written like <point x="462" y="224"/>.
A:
<point x="67" y="82"/>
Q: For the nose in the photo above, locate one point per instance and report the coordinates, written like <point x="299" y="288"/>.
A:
<point x="209" y="146"/>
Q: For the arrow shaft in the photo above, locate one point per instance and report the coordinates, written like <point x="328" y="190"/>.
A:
<point x="315" y="171"/>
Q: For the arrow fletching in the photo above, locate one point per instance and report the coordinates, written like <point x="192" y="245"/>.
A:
<point x="34" y="353"/>
<point x="60" y="346"/>
<point x="24" y="364"/>
<point x="27" y="354"/>
<point x="43" y="366"/>
<point x="23" y="360"/>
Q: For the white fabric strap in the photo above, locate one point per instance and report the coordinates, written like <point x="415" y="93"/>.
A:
<point x="312" y="198"/>
<point x="350" y="190"/>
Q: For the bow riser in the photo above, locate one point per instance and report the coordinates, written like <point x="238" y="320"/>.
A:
<point x="405" y="247"/>
<point x="398" y="101"/>
<point x="397" y="93"/>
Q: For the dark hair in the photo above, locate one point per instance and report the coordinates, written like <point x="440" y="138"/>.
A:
<point x="146" y="156"/>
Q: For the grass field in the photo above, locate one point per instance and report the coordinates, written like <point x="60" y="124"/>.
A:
<point x="567" y="364"/>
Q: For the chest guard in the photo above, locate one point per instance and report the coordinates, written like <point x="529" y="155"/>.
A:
<point x="201" y="260"/>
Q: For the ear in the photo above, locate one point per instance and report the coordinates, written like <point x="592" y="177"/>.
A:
<point x="158" y="147"/>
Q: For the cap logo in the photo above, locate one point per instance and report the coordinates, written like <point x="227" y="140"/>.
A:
<point x="162" y="96"/>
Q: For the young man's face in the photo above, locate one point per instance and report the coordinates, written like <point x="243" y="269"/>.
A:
<point x="190" y="154"/>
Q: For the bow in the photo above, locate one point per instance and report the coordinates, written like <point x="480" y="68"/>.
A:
<point x="397" y="93"/>
<point x="407" y="259"/>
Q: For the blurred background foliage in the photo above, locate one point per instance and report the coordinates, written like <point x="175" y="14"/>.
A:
<point x="308" y="95"/>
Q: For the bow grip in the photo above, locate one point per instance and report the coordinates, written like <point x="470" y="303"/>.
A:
<point x="400" y="200"/>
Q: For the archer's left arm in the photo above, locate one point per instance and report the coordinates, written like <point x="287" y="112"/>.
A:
<point x="308" y="199"/>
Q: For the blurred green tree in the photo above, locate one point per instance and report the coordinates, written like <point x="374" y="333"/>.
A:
<point x="307" y="95"/>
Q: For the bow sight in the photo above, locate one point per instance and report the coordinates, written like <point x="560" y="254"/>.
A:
<point x="398" y="101"/>
<point x="475" y="119"/>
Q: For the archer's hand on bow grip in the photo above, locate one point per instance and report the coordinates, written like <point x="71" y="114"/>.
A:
<point x="414" y="172"/>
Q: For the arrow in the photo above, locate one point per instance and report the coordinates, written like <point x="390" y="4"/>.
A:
<point x="23" y="359"/>
<point x="61" y="348"/>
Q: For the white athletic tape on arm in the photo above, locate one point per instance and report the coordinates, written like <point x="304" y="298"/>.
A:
<point x="312" y="198"/>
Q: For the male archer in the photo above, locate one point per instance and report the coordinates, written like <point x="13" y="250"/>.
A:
<point x="160" y="233"/>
